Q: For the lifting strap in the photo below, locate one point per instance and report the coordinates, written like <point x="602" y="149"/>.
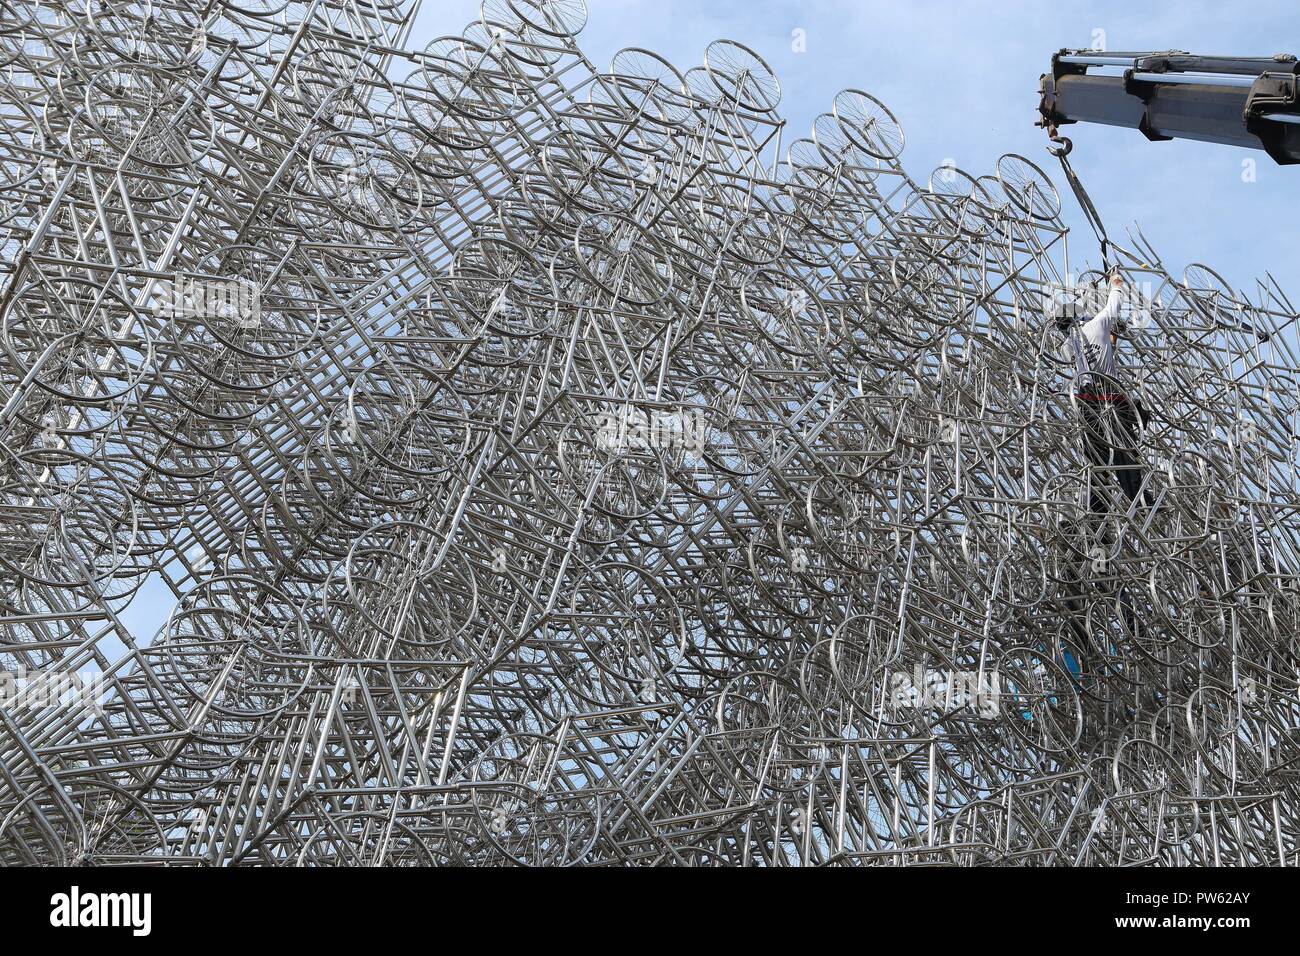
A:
<point x="1062" y="152"/>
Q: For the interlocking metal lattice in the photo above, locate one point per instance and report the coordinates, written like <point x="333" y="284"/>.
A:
<point x="551" y="465"/>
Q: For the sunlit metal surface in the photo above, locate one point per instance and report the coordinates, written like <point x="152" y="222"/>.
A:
<point x="556" y="463"/>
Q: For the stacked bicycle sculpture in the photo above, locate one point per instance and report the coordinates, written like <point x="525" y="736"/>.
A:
<point x="554" y="464"/>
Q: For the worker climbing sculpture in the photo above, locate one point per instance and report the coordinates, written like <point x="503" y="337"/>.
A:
<point x="556" y="463"/>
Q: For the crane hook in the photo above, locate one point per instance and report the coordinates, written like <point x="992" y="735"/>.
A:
<point x="1060" y="145"/>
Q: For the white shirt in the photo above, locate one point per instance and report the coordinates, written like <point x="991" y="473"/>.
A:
<point x="1093" y="351"/>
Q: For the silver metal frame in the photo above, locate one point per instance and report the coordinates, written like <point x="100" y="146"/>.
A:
<point x="552" y="466"/>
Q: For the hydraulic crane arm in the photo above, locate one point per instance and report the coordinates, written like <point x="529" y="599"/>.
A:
<point x="1250" y="102"/>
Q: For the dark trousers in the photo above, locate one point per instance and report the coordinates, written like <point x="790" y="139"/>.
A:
<point x="1111" y="423"/>
<point x="1110" y="432"/>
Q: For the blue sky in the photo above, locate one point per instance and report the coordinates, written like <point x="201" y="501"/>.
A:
<point x="962" y="77"/>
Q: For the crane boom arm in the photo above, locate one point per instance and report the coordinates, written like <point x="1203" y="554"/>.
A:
<point x="1238" y="101"/>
